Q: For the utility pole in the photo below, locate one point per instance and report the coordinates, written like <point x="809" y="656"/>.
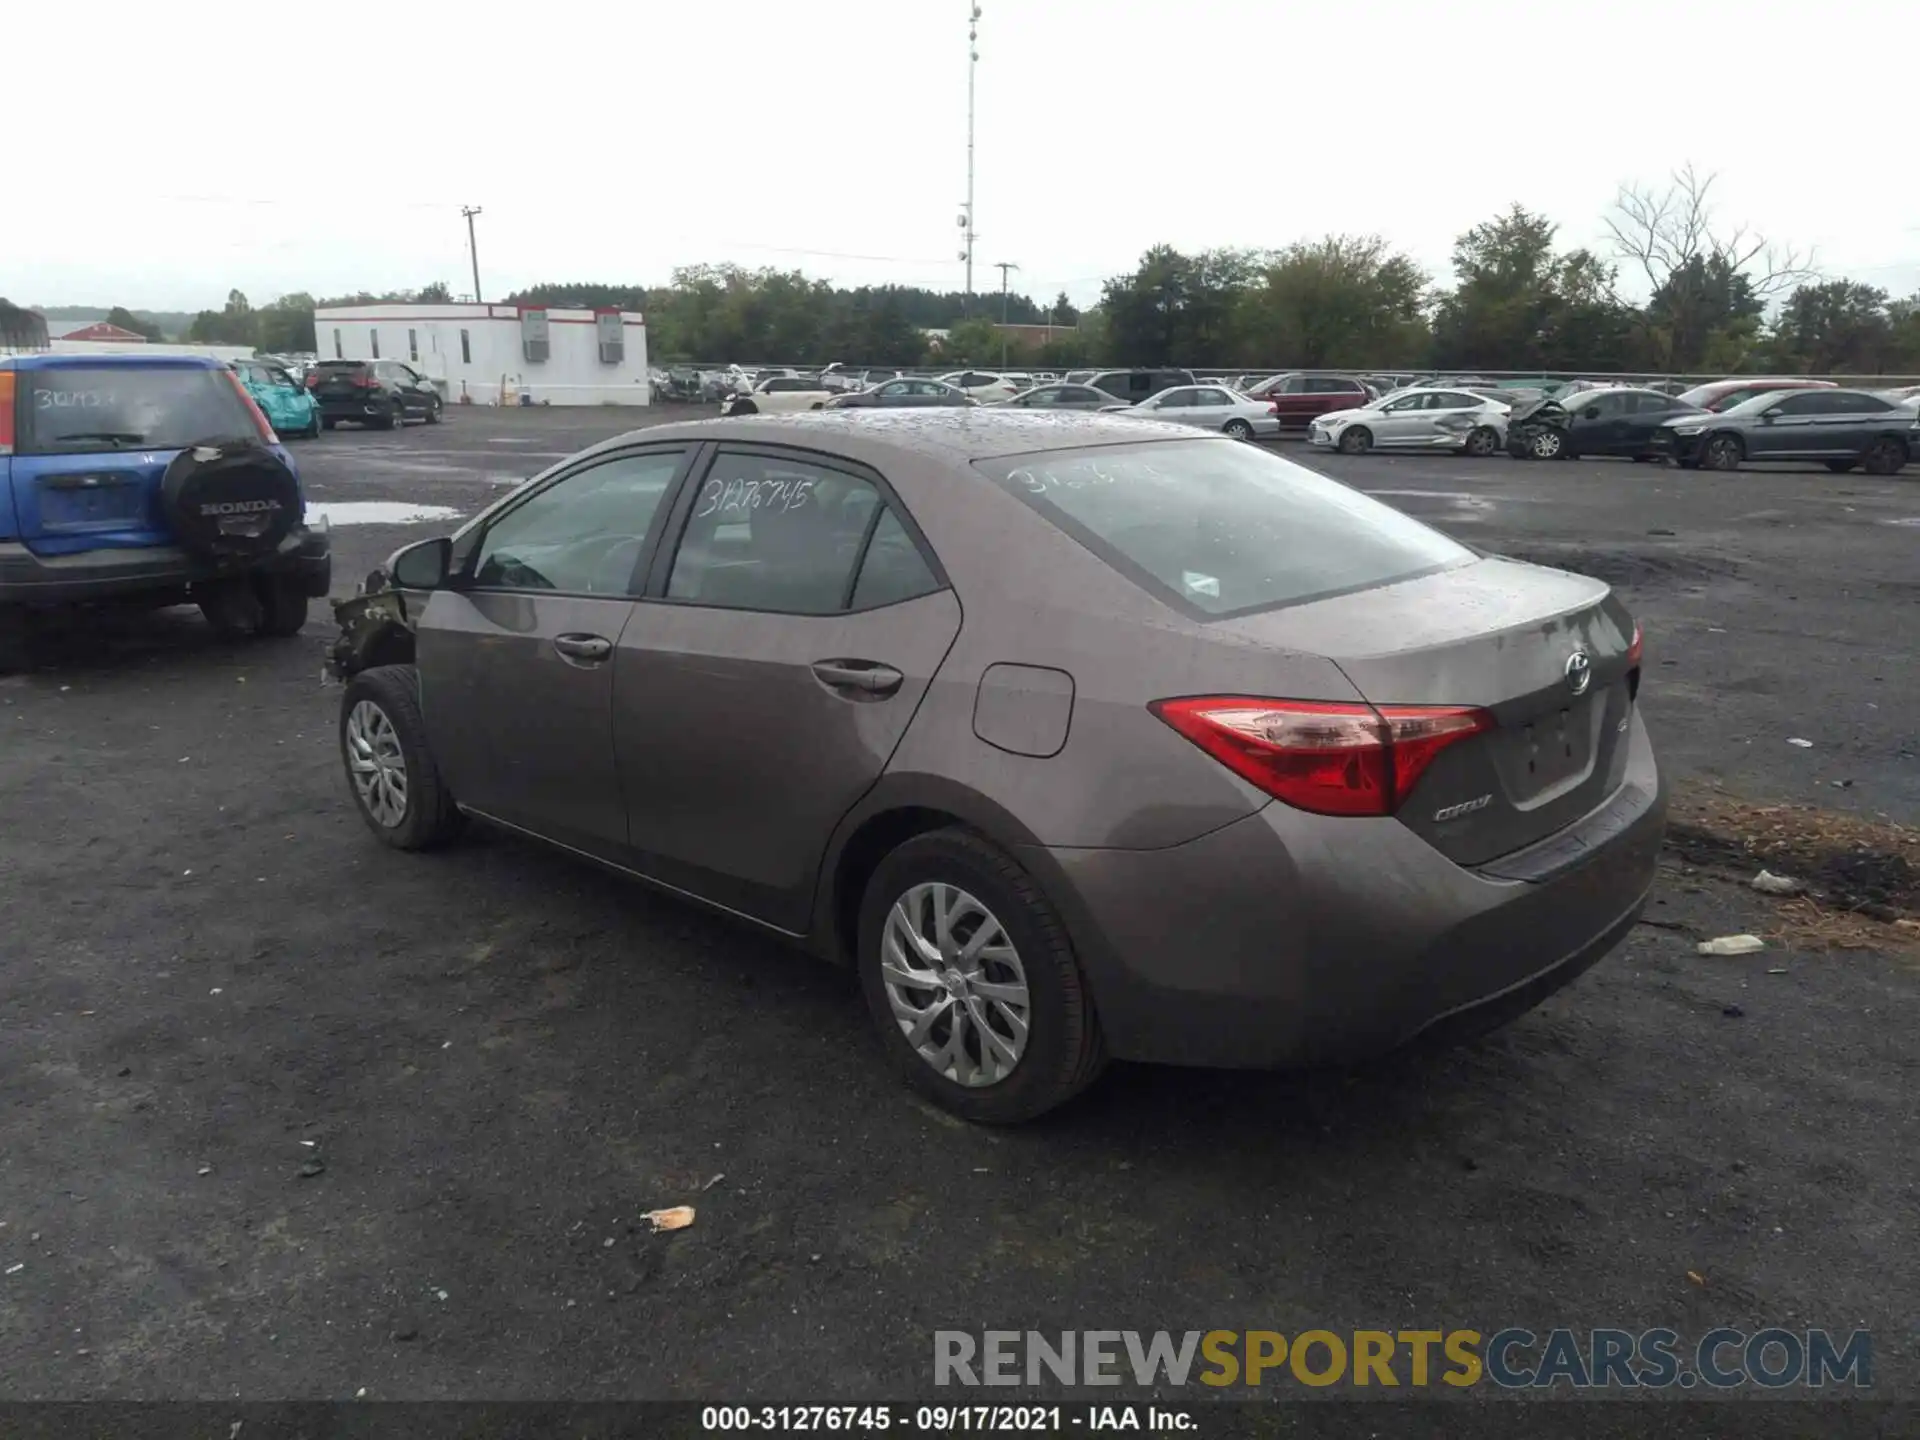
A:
<point x="966" y="212"/>
<point x="1004" y="266"/>
<point x="473" y="248"/>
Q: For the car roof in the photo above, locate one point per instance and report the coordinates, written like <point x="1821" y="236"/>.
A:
<point x="958" y="436"/>
<point x="116" y="362"/>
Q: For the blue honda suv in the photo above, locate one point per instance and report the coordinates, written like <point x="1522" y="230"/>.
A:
<point x="150" y="479"/>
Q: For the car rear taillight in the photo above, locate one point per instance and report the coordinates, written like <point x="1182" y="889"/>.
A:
<point x="1330" y="758"/>
<point x="6" y="412"/>
<point x="260" y="421"/>
<point x="313" y="380"/>
<point x="366" y="381"/>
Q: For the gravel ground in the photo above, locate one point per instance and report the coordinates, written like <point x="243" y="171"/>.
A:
<point x="288" y="1116"/>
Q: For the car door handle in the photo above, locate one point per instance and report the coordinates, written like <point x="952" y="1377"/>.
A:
<point x="863" y="676"/>
<point x="583" y="649"/>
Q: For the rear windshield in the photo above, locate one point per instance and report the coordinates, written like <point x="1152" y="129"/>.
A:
<point x="1220" y="527"/>
<point x="75" y="411"/>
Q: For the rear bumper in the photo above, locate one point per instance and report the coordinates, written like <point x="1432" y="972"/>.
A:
<point x="1289" y="939"/>
<point x="30" y="579"/>
<point x="377" y="407"/>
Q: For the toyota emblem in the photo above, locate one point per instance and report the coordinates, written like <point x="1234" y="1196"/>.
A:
<point x="1579" y="672"/>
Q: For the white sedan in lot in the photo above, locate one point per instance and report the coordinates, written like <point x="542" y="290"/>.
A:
<point x="1213" y="406"/>
<point x="1417" y="419"/>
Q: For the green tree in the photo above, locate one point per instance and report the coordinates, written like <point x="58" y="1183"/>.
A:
<point x="1707" y="284"/>
<point x="1062" y="311"/>
<point x="21" y="328"/>
<point x="1521" y="305"/>
<point x="1179" y="309"/>
<point x="1836" y="327"/>
<point x="1340" y="301"/>
<point x="286" y="326"/>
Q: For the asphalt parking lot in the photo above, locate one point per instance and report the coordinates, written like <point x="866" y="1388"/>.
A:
<point x="288" y="1115"/>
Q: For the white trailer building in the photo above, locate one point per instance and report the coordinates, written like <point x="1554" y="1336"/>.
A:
<point x="498" y="354"/>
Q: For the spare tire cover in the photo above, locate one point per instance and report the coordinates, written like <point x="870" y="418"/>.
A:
<point x="230" y="499"/>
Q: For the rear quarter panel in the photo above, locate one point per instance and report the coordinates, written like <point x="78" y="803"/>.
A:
<point x="1031" y="595"/>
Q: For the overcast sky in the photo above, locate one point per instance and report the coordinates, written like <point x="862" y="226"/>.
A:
<point x="278" y="147"/>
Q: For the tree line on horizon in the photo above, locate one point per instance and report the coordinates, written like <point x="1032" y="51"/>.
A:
<point x="1718" y="300"/>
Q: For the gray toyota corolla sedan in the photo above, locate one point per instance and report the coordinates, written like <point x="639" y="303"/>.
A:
<point x="1078" y="736"/>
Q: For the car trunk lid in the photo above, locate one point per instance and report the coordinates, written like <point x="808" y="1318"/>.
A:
<point x="1500" y="636"/>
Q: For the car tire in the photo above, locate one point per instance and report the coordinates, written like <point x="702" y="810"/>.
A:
<point x="283" y="606"/>
<point x="381" y="726"/>
<point x="1885" y="456"/>
<point x="1723" y="453"/>
<point x="1482" y="441"/>
<point x="232" y="607"/>
<point x="397" y="420"/>
<point x="1238" y="429"/>
<point x="1546" y="445"/>
<point x="1062" y="1052"/>
<point x="743" y="407"/>
<point x="1355" y="440"/>
<point x="433" y="411"/>
<point x="1841" y="467"/>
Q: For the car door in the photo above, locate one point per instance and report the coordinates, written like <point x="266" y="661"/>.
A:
<point x="1845" y="423"/>
<point x="516" y="656"/>
<point x="1296" y="404"/>
<point x="1646" y="411"/>
<point x="1212" y="407"/>
<point x="896" y="394"/>
<point x="1594" y="426"/>
<point x="1180" y="405"/>
<point x="789" y="636"/>
<point x="1788" y="428"/>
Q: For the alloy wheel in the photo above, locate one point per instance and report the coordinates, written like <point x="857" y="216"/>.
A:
<point x="955" y="984"/>
<point x="1546" y="445"/>
<point x="377" y="764"/>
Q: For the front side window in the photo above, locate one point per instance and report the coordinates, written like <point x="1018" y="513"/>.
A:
<point x="1221" y="529"/>
<point x="774" y="534"/>
<point x="1175" y="399"/>
<point x="582" y="535"/>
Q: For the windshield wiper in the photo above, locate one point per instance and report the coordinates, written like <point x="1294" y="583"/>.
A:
<point x="118" y="437"/>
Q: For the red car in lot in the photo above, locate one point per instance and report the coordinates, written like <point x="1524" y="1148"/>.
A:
<point x="1299" y="399"/>
<point x="1719" y="395"/>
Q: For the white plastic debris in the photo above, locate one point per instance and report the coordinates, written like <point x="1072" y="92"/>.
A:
<point x="1798" y="743"/>
<point x="1731" y="945"/>
<point x="1768" y="883"/>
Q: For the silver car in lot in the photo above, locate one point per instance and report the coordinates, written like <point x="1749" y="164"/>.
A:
<point x="1419" y="418"/>
<point x="1213" y="407"/>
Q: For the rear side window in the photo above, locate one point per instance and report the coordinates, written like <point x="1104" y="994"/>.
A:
<point x="893" y="568"/>
<point x="768" y="533"/>
<point x="1220" y="528"/>
<point x="83" y="410"/>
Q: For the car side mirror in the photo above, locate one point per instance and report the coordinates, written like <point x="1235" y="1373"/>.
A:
<point x="1766" y="417"/>
<point x="423" y="566"/>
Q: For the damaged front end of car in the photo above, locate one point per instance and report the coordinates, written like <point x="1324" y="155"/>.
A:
<point x="376" y="628"/>
<point x="1537" y="431"/>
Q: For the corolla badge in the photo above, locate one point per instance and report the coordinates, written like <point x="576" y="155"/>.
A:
<point x="1579" y="672"/>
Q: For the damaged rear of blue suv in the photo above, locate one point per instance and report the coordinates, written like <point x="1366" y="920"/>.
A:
<point x="152" y="480"/>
